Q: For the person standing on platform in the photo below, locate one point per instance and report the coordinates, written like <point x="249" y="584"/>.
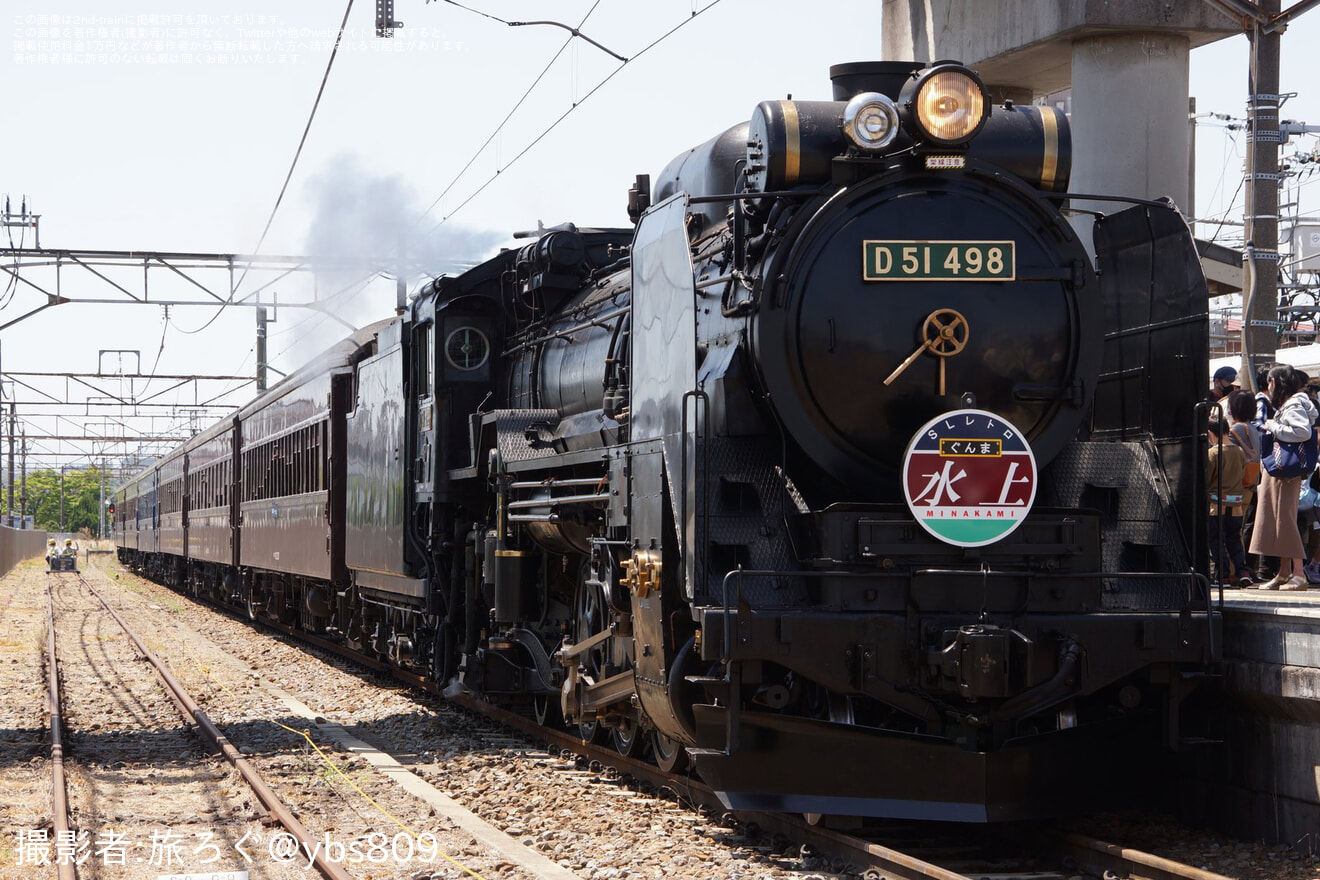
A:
<point x="1275" y="533"/>
<point x="1263" y="568"/>
<point x="1224" y="482"/>
<point x="1244" y="434"/>
<point x="1222" y="384"/>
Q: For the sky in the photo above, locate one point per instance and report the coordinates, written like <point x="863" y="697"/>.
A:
<point x="171" y="126"/>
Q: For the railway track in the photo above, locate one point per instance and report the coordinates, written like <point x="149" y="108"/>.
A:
<point x="911" y="851"/>
<point x="276" y="810"/>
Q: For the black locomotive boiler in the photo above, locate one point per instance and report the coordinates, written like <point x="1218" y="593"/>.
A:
<point x="849" y="474"/>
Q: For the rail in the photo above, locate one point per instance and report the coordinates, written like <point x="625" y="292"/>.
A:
<point x="59" y="792"/>
<point x="1116" y="860"/>
<point x="213" y="734"/>
<point x="1093" y="856"/>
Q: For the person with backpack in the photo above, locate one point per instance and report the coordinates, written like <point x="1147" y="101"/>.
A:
<point x="1275" y="532"/>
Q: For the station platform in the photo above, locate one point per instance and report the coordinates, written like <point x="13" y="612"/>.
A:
<point x="1272" y="642"/>
<point x="1258" y="777"/>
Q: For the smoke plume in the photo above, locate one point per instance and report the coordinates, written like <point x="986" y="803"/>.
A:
<point x="369" y="220"/>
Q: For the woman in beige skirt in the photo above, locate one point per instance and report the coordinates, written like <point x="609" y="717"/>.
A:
<point x="1275" y="532"/>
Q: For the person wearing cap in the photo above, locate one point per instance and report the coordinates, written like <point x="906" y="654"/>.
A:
<point x="1222" y="384"/>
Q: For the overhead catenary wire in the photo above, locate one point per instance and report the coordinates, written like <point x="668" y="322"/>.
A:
<point x="476" y="11"/>
<point x="12" y="286"/>
<point x="505" y="121"/>
<point x="573" y="31"/>
<point x="1231" y="203"/>
<point x="151" y="374"/>
<point x="320" y="91"/>
<point x="553" y="125"/>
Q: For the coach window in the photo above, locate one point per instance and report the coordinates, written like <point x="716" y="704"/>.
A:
<point x="281" y="486"/>
<point x="300" y="461"/>
<point x="295" y="462"/>
<point x="309" y="457"/>
<point x="321" y="446"/>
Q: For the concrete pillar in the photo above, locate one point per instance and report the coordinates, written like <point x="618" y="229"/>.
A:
<point x="1129" y="118"/>
<point x="1129" y="125"/>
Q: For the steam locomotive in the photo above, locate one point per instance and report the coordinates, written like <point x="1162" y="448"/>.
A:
<point x="849" y="474"/>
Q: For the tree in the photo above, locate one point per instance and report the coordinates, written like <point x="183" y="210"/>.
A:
<point x="82" y="500"/>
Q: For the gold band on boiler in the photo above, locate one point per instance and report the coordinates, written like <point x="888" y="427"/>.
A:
<point x="792" y="143"/>
<point x="1049" y="160"/>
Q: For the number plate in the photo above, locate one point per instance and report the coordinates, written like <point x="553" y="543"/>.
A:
<point x="938" y="261"/>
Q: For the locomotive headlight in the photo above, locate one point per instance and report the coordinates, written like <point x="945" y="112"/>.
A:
<point x="871" y="121"/>
<point x="949" y="106"/>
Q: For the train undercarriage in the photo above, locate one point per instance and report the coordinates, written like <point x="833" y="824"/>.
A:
<point x="901" y="675"/>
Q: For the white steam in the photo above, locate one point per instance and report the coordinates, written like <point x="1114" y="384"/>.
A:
<point x="366" y="223"/>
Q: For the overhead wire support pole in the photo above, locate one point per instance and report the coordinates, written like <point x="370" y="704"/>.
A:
<point x="188" y="378"/>
<point x="1260" y="325"/>
<point x="108" y="438"/>
<point x="1283" y="18"/>
<point x="21" y="263"/>
<point x="13" y="428"/>
<point x="261" y="349"/>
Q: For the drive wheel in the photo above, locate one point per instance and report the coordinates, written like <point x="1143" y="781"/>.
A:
<point x="629" y="738"/>
<point x="670" y="755"/>
<point x="590" y="617"/>
<point x="545" y="707"/>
